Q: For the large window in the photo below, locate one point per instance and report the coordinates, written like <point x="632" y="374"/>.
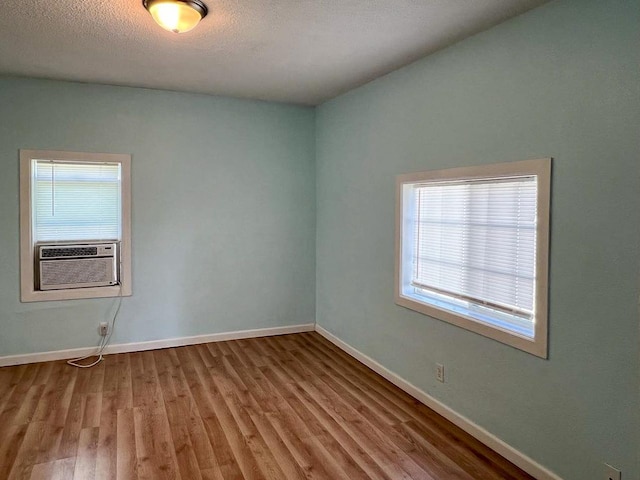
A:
<point x="472" y="249"/>
<point x="70" y="198"/>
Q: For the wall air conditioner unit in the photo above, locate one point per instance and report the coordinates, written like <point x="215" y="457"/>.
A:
<point x="79" y="265"/>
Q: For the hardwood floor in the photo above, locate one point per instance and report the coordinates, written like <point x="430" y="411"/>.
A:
<point x="287" y="407"/>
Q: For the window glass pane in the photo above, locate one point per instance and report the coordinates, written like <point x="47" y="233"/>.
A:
<point x="476" y="240"/>
<point x="76" y="201"/>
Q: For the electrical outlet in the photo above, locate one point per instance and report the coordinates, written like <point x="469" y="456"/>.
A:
<point x="103" y="329"/>
<point x="611" y="473"/>
<point x="440" y="372"/>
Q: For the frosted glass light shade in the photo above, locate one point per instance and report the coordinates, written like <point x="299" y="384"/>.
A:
<point x="176" y="16"/>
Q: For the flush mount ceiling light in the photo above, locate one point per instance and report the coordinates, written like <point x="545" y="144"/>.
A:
<point x="177" y="16"/>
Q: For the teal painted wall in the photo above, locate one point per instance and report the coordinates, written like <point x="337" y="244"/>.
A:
<point x="223" y="211"/>
<point x="562" y="81"/>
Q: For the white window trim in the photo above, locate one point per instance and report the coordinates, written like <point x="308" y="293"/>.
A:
<point x="542" y="169"/>
<point x="28" y="293"/>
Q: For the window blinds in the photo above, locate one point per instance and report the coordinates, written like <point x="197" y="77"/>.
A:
<point x="475" y="241"/>
<point x="76" y="201"/>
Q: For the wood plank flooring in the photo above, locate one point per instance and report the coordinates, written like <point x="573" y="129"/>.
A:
<point x="286" y="407"/>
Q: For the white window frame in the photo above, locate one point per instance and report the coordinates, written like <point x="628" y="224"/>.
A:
<point x="28" y="292"/>
<point x="540" y="168"/>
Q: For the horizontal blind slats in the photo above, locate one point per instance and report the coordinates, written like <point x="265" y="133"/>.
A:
<point x="76" y="201"/>
<point x="477" y="239"/>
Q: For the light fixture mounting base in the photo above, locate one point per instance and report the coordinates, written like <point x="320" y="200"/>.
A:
<point x="197" y="5"/>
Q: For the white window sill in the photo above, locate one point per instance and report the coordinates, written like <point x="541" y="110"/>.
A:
<point x="534" y="346"/>
<point x="74" y="294"/>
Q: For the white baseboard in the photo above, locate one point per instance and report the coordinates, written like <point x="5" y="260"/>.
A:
<point x="507" y="451"/>
<point x="153" y="344"/>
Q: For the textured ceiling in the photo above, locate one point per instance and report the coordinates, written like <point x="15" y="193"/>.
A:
<point x="298" y="51"/>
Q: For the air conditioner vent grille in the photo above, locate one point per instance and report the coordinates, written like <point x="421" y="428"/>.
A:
<point x="80" y="271"/>
<point x="69" y="252"/>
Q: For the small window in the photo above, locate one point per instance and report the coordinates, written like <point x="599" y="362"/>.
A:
<point x="78" y="205"/>
<point x="472" y="249"/>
